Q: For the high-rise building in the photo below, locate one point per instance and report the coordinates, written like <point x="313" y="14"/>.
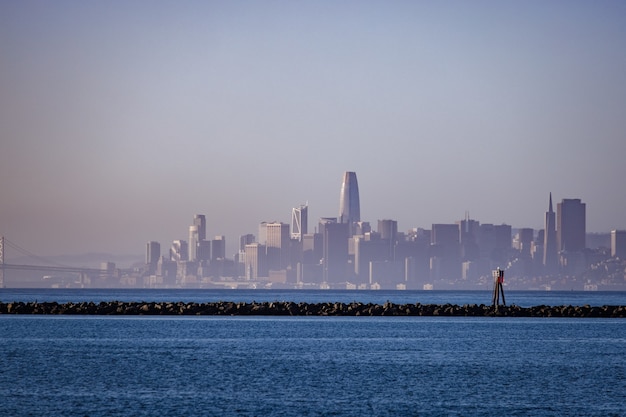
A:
<point x="571" y="225"/>
<point x="245" y="240"/>
<point x="550" y="251"/>
<point x="299" y="222"/>
<point x="524" y="241"/>
<point x="335" y="250"/>
<point x="179" y="251"/>
<point x="218" y="248"/>
<point x="199" y="220"/>
<point x="277" y="242"/>
<point x="255" y="261"/>
<point x="469" y="231"/>
<point x="203" y="250"/>
<point x="618" y="244"/>
<point x="193" y="242"/>
<point x="445" y="251"/>
<point x="153" y="253"/>
<point x="349" y="206"/>
<point x="388" y="231"/>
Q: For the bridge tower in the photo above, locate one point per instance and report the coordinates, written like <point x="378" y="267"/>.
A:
<point x="1" y="261"/>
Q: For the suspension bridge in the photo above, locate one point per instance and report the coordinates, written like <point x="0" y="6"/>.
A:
<point x="43" y="265"/>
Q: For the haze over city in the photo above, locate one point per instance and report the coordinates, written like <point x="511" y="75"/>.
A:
<point x="119" y="121"/>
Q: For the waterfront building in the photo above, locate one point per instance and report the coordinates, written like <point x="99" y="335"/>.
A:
<point x="349" y="206"/>
<point x="571" y="225"/>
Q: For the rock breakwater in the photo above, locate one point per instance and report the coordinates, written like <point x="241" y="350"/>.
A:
<point x="285" y="308"/>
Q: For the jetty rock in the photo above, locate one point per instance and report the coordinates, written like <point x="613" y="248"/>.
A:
<point x="288" y="308"/>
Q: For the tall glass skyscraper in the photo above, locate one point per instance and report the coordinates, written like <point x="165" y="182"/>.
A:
<point x="349" y="208"/>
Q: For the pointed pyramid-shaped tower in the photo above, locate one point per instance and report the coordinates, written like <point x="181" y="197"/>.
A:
<point x="550" y="258"/>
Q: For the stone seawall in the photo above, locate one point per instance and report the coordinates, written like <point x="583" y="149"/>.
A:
<point x="225" y="308"/>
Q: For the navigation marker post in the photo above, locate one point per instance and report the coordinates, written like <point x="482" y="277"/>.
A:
<point x="498" y="288"/>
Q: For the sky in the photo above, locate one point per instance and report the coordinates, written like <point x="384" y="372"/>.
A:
<point x="120" y="120"/>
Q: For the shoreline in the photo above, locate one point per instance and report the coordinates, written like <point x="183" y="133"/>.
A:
<point x="285" y="308"/>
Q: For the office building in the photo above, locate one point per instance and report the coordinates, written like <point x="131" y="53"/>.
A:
<point x="571" y="225"/>
<point x="335" y="250"/>
<point x="255" y="261"/>
<point x="277" y="243"/>
<point x="618" y="244"/>
<point x="299" y="222"/>
<point x="218" y="248"/>
<point x="179" y="251"/>
<point x="524" y="241"/>
<point x="245" y="240"/>
<point x="388" y="231"/>
<point x="445" y="252"/>
<point x="193" y="242"/>
<point x="349" y="206"/>
<point x="199" y="220"/>
<point x="203" y="250"/>
<point x="366" y="250"/>
<point x="153" y="253"/>
<point x="469" y="230"/>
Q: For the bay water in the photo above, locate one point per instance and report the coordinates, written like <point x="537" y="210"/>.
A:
<point x="310" y="366"/>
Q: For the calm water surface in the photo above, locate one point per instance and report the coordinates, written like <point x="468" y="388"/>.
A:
<point x="520" y="298"/>
<point x="315" y="366"/>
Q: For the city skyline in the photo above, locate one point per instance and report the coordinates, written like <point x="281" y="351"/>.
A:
<point x="198" y="227"/>
<point x="563" y="229"/>
<point x="119" y="122"/>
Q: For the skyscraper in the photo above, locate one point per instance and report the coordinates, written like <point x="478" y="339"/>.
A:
<point x="571" y="225"/>
<point x="277" y="245"/>
<point x="218" y="248"/>
<point x="153" y="253"/>
<point x="550" y="259"/>
<point x="199" y="220"/>
<point x="335" y="248"/>
<point x="618" y="243"/>
<point x="349" y="208"/>
<point x="299" y="222"/>
<point x="179" y="251"/>
<point x="193" y="242"/>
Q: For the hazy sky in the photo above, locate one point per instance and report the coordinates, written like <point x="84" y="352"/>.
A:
<point x="119" y="120"/>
